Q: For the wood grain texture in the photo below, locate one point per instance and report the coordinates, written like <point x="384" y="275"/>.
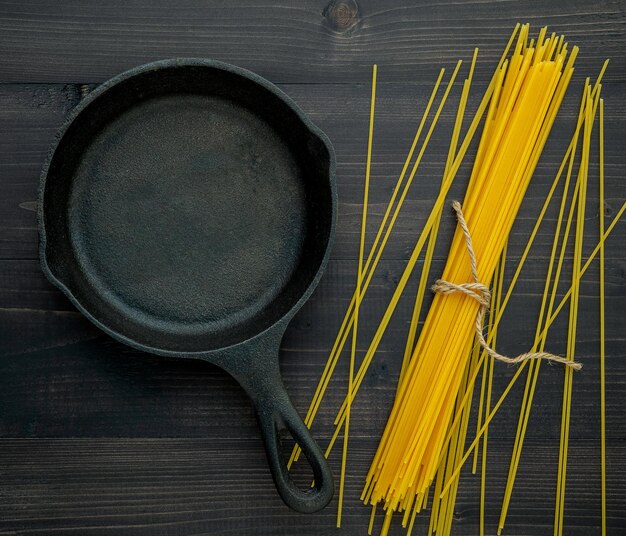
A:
<point x="287" y="41"/>
<point x="99" y="439"/>
<point x="192" y="486"/>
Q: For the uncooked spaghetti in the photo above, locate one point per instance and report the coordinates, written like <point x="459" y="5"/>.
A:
<point x="533" y="84"/>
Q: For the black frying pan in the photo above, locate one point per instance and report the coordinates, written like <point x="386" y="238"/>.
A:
<point x="188" y="209"/>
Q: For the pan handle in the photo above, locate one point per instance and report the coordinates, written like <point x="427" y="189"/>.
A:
<point x="280" y="410"/>
<point x="259" y="375"/>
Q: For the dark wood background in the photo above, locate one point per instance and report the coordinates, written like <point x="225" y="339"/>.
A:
<point x="100" y="439"/>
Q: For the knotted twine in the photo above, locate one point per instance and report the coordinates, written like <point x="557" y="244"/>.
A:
<point x="480" y="292"/>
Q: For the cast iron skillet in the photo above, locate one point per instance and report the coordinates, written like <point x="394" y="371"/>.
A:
<point x="187" y="209"/>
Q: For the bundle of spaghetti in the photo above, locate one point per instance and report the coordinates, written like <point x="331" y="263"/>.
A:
<point x="552" y="312"/>
<point x="527" y="95"/>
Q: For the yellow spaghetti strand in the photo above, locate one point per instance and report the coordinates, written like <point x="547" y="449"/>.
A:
<point x="358" y="296"/>
<point x="490" y="365"/>
<point x="602" y="348"/>
<point x="571" y="346"/>
<point x="436" y="498"/>
<point x="560" y="482"/>
<point x="489" y="362"/>
<point x="370" y="527"/>
<point x="416" y="510"/>
<point x="481" y="402"/>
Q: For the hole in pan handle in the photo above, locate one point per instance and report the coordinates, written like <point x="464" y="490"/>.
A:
<point x="281" y="410"/>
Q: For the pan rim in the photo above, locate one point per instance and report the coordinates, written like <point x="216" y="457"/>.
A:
<point x="181" y="63"/>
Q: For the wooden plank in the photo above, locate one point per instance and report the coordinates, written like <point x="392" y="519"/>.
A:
<point x="286" y="41"/>
<point x="195" y="486"/>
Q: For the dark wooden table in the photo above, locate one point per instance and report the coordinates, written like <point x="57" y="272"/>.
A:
<point x="100" y="439"/>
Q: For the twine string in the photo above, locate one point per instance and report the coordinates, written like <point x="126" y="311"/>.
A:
<point x="480" y="292"/>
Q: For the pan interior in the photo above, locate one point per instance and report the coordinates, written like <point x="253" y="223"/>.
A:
<point x="188" y="210"/>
